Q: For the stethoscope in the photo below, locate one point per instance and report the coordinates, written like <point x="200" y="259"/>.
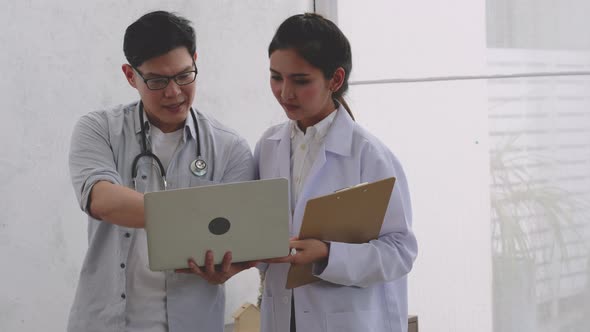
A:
<point x="198" y="166"/>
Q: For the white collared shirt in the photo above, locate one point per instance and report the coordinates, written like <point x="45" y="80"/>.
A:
<point x="304" y="150"/>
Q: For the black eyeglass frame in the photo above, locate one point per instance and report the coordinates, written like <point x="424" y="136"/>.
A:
<point x="168" y="78"/>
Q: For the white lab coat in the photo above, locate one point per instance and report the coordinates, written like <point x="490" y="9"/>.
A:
<point x="363" y="286"/>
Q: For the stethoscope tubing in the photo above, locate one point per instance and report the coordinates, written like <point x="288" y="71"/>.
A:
<point x="198" y="167"/>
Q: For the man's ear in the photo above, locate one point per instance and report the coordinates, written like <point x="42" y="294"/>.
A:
<point x="337" y="79"/>
<point x="195" y="57"/>
<point x="129" y="74"/>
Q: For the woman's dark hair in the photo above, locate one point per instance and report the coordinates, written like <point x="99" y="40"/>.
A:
<point x="320" y="42"/>
<point x="155" y="34"/>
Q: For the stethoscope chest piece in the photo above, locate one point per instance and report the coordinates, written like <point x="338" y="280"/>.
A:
<point x="198" y="167"/>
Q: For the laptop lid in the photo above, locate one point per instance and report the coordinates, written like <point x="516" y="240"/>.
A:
<point x="250" y="219"/>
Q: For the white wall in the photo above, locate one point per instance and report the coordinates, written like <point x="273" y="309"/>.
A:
<point x="439" y="132"/>
<point x="61" y="59"/>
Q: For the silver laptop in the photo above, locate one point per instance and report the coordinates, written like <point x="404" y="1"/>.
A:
<point x="250" y="219"/>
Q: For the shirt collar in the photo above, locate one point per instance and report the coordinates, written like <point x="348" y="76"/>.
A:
<point x="188" y="123"/>
<point x="338" y="139"/>
<point x="318" y="131"/>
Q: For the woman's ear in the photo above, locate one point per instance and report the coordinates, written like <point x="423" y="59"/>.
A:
<point x="129" y="74"/>
<point x="337" y="79"/>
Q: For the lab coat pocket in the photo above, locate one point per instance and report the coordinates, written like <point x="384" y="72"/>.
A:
<point x="267" y="315"/>
<point x="357" y="321"/>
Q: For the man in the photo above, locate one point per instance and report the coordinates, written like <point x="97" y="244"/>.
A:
<point x="181" y="148"/>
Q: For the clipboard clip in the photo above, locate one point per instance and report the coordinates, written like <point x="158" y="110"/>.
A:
<point x="356" y="185"/>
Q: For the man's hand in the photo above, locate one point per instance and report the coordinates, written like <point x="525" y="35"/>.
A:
<point x="306" y="251"/>
<point x="219" y="274"/>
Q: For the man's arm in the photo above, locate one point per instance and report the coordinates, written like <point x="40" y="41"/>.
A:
<point x="95" y="178"/>
<point x="116" y="204"/>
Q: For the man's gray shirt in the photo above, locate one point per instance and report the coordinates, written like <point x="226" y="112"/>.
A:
<point x="103" y="147"/>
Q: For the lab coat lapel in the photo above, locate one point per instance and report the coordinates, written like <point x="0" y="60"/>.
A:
<point x="283" y="156"/>
<point x="280" y="155"/>
<point x="284" y="153"/>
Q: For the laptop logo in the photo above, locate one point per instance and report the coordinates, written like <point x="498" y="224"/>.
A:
<point x="219" y="226"/>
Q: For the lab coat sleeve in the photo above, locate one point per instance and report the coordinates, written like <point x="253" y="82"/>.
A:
<point x="389" y="257"/>
<point x="240" y="166"/>
<point x="91" y="157"/>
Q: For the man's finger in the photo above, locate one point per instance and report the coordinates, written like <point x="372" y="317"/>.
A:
<point x="226" y="263"/>
<point x="209" y="267"/>
<point x="194" y="267"/>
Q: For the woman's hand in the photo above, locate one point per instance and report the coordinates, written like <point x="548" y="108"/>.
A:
<point x="306" y="251"/>
<point x="217" y="275"/>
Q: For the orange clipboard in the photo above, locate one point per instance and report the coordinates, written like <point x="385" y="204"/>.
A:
<point x="351" y="215"/>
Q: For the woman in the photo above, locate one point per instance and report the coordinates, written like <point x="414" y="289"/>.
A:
<point x="321" y="149"/>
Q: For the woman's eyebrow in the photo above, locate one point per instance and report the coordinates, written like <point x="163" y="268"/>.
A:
<point x="295" y="75"/>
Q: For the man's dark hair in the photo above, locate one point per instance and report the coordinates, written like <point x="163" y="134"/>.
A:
<point x="155" y="34"/>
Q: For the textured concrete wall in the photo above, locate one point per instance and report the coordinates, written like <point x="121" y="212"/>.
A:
<point x="61" y="59"/>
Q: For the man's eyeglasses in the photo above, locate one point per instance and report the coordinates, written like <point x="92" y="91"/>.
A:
<point x="161" y="82"/>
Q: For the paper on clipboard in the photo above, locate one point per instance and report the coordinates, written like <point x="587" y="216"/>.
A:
<point x="351" y="215"/>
